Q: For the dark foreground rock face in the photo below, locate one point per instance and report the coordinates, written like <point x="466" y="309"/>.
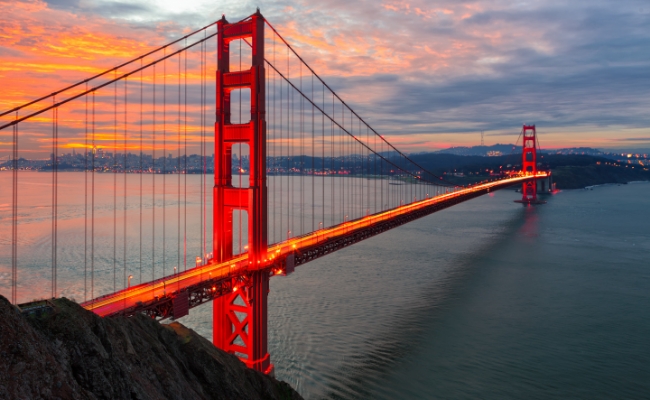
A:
<point x="66" y="352"/>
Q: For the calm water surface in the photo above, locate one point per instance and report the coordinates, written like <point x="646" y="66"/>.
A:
<point x="487" y="299"/>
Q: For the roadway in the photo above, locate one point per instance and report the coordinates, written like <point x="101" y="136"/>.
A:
<point x="165" y="288"/>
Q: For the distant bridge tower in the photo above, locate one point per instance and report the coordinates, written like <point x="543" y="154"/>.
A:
<point x="529" y="165"/>
<point x="240" y="318"/>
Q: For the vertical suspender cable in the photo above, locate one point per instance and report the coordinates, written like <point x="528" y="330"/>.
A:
<point x="92" y="210"/>
<point x="14" y="216"/>
<point x="205" y="155"/>
<point x="281" y="170"/>
<point x="202" y="100"/>
<point x="279" y="94"/>
<point x="323" y="158"/>
<point x="374" y="173"/>
<point x="368" y="171"/>
<point x="302" y="159"/>
<point x="55" y="127"/>
<point x="290" y="147"/>
<point x="332" y="170"/>
<point x="272" y="177"/>
<point x="353" y="162"/>
<point x="178" y="172"/>
<point x="185" y="163"/>
<point x="289" y="160"/>
<point x="164" y="168"/>
<point x="124" y="282"/>
<point x="115" y="184"/>
<point x="351" y="181"/>
<point x="313" y="175"/>
<point x="381" y="162"/>
<point x="153" y="181"/>
<point x="362" y="154"/>
<point x="141" y="171"/>
<point x="56" y="201"/>
<point x="281" y="145"/>
<point x="86" y="200"/>
<point x="343" y="160"/>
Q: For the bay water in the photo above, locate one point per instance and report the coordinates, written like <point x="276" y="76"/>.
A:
<point x="487" y="299"/>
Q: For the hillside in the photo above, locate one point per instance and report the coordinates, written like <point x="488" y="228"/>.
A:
<point x="66" y="352"/>
<point x="578" y="177"/>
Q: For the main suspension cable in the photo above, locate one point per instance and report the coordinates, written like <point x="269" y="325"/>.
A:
<point x="341" y="127"/>
<point x="78" y="95"/>
<point x="345" y="104"/>
<point x="85" y="81"/>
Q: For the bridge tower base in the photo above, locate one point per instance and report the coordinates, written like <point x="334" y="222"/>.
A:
<point x="239" y="322"/>
<point x="240" y="318"/>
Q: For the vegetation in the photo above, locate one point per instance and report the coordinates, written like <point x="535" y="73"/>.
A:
<point x="576" y="177"/>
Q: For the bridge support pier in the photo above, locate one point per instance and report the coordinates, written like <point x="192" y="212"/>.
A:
<point x="240" y="322"/>
<point x="240" y="318"/>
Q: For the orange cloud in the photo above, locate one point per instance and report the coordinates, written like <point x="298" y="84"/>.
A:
<point x="44" y="49"/>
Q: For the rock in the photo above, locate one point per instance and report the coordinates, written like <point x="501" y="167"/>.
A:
<point x="67" y="352"/>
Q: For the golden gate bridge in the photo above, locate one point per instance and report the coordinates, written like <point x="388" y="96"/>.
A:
<point x="297" y="174"/>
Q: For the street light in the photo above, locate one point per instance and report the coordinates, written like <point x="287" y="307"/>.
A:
<point x="130" y="276"/>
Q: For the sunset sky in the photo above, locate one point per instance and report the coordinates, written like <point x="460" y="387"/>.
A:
<point x="426" y="74"/>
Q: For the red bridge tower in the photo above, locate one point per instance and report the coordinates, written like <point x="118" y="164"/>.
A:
<point x="240" y="318"/>
<point x="529" y="166"/>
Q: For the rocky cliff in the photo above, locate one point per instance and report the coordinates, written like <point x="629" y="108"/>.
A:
<point x="61" y="351"/>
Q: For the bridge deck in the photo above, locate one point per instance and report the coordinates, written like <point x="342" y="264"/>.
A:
<point x="203" y="283"/>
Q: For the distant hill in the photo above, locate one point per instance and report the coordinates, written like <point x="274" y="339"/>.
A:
<point x="570" y="171"/>
<point x="584" y="151"/>
<point x="494" y="150"/>
<point x="507" y="149"/>
<point x="59" y="350"/>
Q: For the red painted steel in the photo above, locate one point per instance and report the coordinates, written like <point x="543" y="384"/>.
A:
<point x="240" y="318"/>
<point x="529" y="164"/>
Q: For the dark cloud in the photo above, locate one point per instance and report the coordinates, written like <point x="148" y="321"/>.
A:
<point x="108" y="9"/>
<point x="633" y="139"/>
<point x="597" y="74"/>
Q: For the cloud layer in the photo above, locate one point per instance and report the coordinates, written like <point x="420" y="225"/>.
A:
<point x="425" y="74"/>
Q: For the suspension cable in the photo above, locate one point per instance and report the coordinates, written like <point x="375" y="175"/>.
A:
<point x="348" y="132"/>
<point x="85" y="81"/>
<point x="344" y="103"/>
<point x="152" y="63"/>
